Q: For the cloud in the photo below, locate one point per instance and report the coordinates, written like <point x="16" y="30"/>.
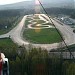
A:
<point x="2" y="2"/>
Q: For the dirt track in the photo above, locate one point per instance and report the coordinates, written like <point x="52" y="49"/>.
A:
<point x="16" y="35"/>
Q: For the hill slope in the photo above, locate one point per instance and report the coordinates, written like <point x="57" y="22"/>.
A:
<point x="19" y="5"/>
<point x="46" y="3"/>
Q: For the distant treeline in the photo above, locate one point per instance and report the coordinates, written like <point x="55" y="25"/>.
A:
<point x="9" y="18"/>
<point x="72" y="15"/>
<point x="10" y="13"/>
<point x="59" y="11"/>
<point x="18" y="12"/>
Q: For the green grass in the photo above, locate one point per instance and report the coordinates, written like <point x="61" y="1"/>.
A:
<point x="37" y="22"/>
<point x="27" y="22"/>
<point x="41" y="36"/>
<point x="36" y="17"/>
<point x="39" y="26"/>
<point x="44" y="36"/>
<point x="8" y="48"/>
<point x="6" y="42"/>
<point x="48" y="24"/>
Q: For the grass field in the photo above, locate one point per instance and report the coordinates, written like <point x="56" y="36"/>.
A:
<point x="8" y="43"/>
<point x="8" y="48"/>
<point x="44" y="36"/>
<point x="40" y="36"/>
<point x="36" y="17"/>
<point x="27" y="22"/>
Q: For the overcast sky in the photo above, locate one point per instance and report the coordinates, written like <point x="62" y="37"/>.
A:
<point x="2" y="2"/>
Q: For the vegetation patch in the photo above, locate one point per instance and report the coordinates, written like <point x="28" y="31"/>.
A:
<point x="36" y="17"/>
<point x="9" y="21"/>
<point x="7" y="43"/>
<point x="42" y="36"/>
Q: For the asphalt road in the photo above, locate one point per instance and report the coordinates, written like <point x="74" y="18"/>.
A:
<point x="16" y="35"/>
<point x="67" y="32"/>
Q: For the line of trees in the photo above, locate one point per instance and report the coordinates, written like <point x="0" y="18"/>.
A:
<point x="36" y="62"/>
<point x="57" y="11"/>
<point x="72" y="15"/>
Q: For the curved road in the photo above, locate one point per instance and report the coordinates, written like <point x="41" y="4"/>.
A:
<point x="16" y="34"/>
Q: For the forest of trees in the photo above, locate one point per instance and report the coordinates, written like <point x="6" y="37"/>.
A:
<point x="63" y="11"/>
<point x="36" y="62"/>
<point x="72" y="15"/>
<point x="9" y="19"/>
<point x="57" y="11"/>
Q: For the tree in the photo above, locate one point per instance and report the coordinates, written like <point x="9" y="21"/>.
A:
<point x="71" y="69"/>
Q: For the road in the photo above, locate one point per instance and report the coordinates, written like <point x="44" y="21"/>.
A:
<point x="66" y="31"/>
<point x="16" y="35"/>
